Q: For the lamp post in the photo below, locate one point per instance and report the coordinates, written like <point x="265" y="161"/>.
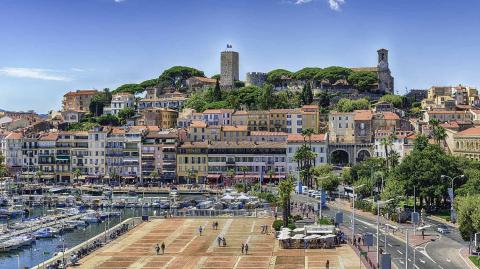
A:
<point x="379" y="203"/>
<point x="453" y="193"/>
<point x="353" y="210"/>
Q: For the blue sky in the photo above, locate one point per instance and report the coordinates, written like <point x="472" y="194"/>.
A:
<point x="51" y="46"/>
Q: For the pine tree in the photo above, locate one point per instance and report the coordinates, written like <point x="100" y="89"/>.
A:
<point x="217" y="93"/>
<point x="309" y="97"/>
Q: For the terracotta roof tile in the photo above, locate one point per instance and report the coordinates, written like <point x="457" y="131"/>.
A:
<point x="469" y="132"/>
<point x="363" y="115"/>
<point x="238" y="128"/>
<point x="300" y="138"/>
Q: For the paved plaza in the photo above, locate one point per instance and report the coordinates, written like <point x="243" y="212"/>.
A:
<point x="185" y="248"/>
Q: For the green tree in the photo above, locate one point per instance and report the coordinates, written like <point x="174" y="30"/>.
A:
<point x="217" y="92"/>
<point x="333" y="74"/>
<point x="285" y="189"/>
<point x="362" y="80"/>
<point x="468" y="215"/>
<point x="149" y="83"/>
<point x="307" y="94"/>
<point x="108" y="119"/>
<point x="306" y="74"/>
<point x="277" y="76"/>
<point x="216" y="77"/>
<point x="125" y="114"/>
<point x="177" y="75"/>
<point x="324" y="99"/>
<point x="76" y="173"/>
<point x="347" y="105"/>
<point x="99" y="101"/>
<point x="129" y="88"/>
<point x="267" y="97"/>
<point x="396" y="100"/>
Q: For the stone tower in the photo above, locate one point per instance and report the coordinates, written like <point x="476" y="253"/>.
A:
<point x="385" y="79"/>
<point x="229" y="68"/>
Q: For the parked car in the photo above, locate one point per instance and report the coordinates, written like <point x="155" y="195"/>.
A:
<point x="443" y="229"/>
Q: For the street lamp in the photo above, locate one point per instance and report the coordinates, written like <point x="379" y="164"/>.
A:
<point x="353" y="211"/>
<point x="453" y="194"/>
<point x="379" y="203"/>
<point x="321" y="195"/>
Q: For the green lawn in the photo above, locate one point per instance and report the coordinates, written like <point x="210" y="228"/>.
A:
<point x="475" y="260"/>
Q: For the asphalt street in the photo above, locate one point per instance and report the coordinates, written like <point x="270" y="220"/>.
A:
<point x="442" y="253"/>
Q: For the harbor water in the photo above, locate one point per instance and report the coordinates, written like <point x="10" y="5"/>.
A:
<point x="44" y="249"/>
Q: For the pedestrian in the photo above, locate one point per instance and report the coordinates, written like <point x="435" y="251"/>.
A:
<point x="219" y="240"/>
<point x="423" y="234"/>
<point x="163" y="248"/>
<point x="200" y="229"/>
<point x="213" y="225"/>
<point x="246" y="249"/>
<point x="327" y="264"/>
<point x="243" y="247"/>
<point x="157" y="248"/>
<point x="224" y="242"/>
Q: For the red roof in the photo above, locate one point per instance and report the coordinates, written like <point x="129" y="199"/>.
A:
<point x="363" y="115"/>
<point x="470" y="131"/>
<point x="301" y="138"/>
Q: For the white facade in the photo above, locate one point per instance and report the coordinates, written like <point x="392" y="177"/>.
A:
<point x="96" y="152"/>
<point x="319" y="146"/>
<point x="119" y="102"/>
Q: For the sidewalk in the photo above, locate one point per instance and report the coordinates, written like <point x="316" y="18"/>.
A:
<point x="465" y="256"/>
<point x="414" y="240"/>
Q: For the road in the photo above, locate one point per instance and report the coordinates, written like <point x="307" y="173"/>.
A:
<point x="442" y="253"/>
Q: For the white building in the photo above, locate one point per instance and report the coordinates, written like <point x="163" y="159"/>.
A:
<point x="319" y="144"/>
<point x="400" y="144"/>
<point x="119" y="102"/>
<point x="96" y="151"/>
<point x="12" y="149"/>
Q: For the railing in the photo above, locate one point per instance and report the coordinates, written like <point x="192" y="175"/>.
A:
<point x="102" y="237"/>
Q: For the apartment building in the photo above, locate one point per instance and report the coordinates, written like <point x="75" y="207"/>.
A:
<point x="174" y="100"/>
<point x="78" y="100"/>
<point x="12" y="150"/>
<point x="97" y="139"/>
<point x="400" y="143"/>
<point x="192" y="163"/>
<point x="47" y="144"/>
<point x="120" y="101"/>
<point x="341" y="127"/>
<point x="162" y="117"/>
<point x="447" y="115"/>
<point x="159" y="155"/>
<point x="318" y="144"/>
<point x="249" y="160"/>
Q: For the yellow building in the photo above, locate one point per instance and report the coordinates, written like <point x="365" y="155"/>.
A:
<point x="162" y="117"/>
<point x="234" y="133"/>
<point x="467" y="143"/>
<point x="192" y="165"/>
<point x="258" y="120"/>
<point x="278" y="120"/>
<point x="78" y="100"/>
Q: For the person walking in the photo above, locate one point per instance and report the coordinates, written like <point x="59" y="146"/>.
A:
<point x="200" y="229"/>
<point x="219" y="240"/>
<point x="243" y="247"/>
<point x="327" y="264"/>
<point x="224" y="242"/>
<point x="246" y="249"/>
<point x="163" y="248"/>
<point x="157" y="248"/>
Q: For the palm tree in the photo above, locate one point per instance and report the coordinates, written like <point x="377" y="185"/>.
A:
<point x="154" y="175"/>
<point x="39" y="175"/>
<point x="308" y="133"/>
<point x="270" y="174"/>
<point x="394" y="158"/>
<point x="386" y="142"/>
<point x="76" y="173"/>
<point x="285" y="188"/>
<point x="231" y="174"/>
<point x="439" y="134"/>
<point x="244" y="169"/>
<point x="192" y="174"/>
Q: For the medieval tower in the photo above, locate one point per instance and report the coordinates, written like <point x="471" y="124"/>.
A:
<point x="229" y="68"/>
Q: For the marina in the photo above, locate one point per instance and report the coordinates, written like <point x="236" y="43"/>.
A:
<point x="35" y="227"/>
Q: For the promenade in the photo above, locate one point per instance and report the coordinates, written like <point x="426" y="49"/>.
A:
<point x="185" y="248"/>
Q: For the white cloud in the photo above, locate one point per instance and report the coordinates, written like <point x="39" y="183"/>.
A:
<point x="33" y="73"/>
<point x="301" y="2"/>
<point x="119" y="1"/>
<point x="335" y="4"/>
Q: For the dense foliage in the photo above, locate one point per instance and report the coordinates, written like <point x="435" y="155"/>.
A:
<point x="348" y="105"/>
<point x="251" y="97"/>
<point x="99" y="101"/>
<point x="396" y="100"/>
<point x="363" y="80"/>
<point x="275" y="77"/>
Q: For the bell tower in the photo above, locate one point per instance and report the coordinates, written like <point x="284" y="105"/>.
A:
<point x="382" y="58"/>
